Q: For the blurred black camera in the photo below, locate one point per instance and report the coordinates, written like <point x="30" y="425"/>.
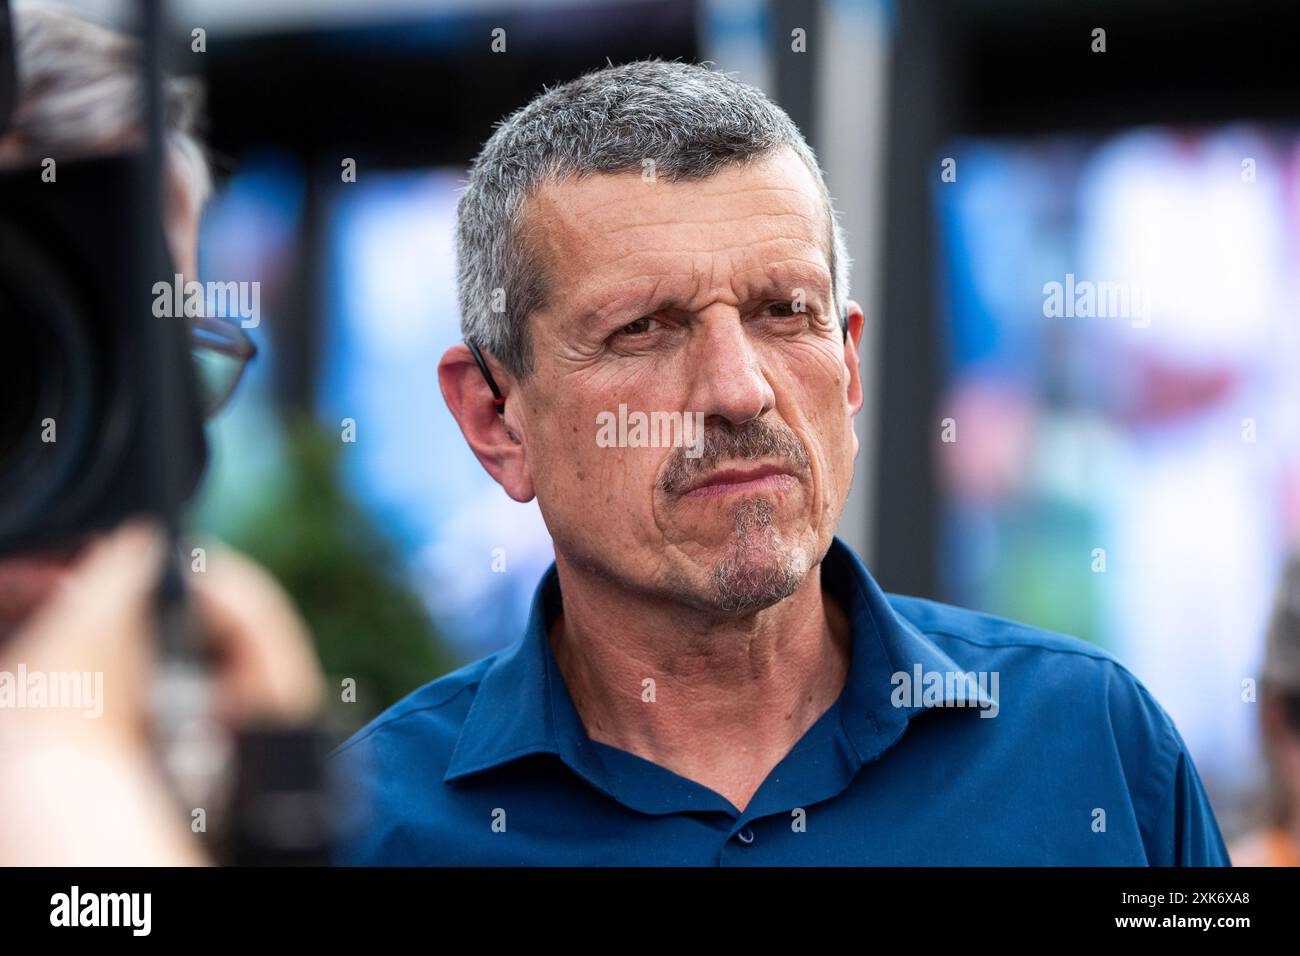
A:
<point x="106" y="378"/>
<point x="100" y="412"/>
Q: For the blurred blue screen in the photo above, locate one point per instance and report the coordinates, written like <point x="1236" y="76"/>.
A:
<point x="1121" y="452"/>
<point x="475" y="555"/>
<point x="389" y="311"/>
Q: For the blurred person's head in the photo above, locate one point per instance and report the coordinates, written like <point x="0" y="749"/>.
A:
<point x="1280" y="700"/>
<point x="657" y="237"/>
<point x="80" y="94"/>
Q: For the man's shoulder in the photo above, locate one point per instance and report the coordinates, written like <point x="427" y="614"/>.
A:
<point x="1040" y="666"/>
<point x="988" y="633"/>
<point x="1075" y="713"/>
<point x="434" y="712"/>
<point x="389" y="774"/>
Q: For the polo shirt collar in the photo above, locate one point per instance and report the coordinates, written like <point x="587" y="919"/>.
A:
<point x="523" y="707"/>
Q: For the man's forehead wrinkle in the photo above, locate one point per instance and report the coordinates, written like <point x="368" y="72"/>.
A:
<point x="619" y="290"/>
<point x="713" y="193"/>
<point x="625" y="289"/>
<point x="594" y="204"/>
<point x="634" y="292"/>
<point x="728" y="218"/>
<point x="664" y="262"/>
<point x="655" y="297"/>
<point x="600" y="190"/>
<point x="770" y="255"/>
<point x="570" y="202"/>
<point x="630" y="258"/>
<point x="567" y="214"/>
<point x="584" y="208"/>
<point x="626" y="254"/>
<point x="779" y="266"/>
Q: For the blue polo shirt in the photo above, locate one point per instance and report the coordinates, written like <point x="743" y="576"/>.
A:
<point x="959" y="739"/>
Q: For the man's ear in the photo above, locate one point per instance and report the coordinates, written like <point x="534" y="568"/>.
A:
<point x="491" y="436"/>
<point x="854" y="320"/>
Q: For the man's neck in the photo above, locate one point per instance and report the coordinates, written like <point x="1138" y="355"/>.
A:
<point x="729" y="696"/>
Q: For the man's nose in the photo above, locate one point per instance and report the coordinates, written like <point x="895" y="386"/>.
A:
<point x="727" y="374"/>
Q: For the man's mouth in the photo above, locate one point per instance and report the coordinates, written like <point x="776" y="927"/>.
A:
<point x="734" y="481"/>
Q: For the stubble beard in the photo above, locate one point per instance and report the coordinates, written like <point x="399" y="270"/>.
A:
<point x="760" y="569"/>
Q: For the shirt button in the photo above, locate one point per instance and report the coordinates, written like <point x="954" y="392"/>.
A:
<point x="745" y="836"/>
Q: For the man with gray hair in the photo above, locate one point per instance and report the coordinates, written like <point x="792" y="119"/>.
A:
<point x="709" y="676"/>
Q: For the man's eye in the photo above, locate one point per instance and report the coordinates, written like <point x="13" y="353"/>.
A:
<point x="782" y="310"/>
<point x="641" y="326"/>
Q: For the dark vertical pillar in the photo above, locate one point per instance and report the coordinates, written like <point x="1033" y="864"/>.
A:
<point x="921" y="108"/>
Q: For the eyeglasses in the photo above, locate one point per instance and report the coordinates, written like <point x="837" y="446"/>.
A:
<point x="221" y="350"/>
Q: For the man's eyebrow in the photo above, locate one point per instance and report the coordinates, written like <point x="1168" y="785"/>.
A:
<point x="667" y="292"/>
<point x="792" y="274"/>
<point x="648" y="297"/>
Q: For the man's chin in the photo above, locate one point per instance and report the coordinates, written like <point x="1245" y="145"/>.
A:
<point x="761" y="565"/>
<point x="751" y="580"/>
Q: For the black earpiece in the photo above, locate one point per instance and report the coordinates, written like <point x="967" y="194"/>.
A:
<point x="497" y="398"/>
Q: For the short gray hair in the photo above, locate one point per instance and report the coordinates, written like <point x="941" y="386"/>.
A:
<point x="79" y="94"/>
<point x="690" y="120"/>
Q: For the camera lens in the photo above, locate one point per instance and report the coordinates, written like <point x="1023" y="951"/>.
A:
<point x="18" y="385"/>
<point x="46" y="379"/>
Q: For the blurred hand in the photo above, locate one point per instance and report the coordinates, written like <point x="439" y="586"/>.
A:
<point x="79" y="788"/>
